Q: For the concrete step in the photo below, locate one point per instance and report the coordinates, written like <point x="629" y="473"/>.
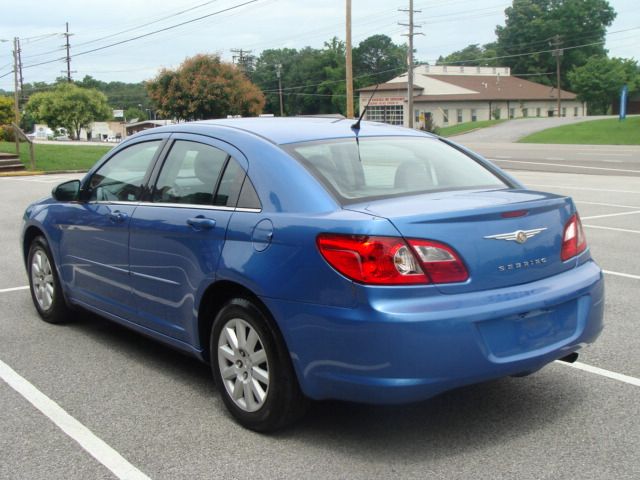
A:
<point x="10" y="163"/>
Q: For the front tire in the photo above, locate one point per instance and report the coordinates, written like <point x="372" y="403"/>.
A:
<point x="44" y="284"/>
<point x="252" y="368"/>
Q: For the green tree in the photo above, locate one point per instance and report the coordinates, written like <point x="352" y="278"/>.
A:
<point x="313" y="80"/>
<point x="377" y="59"/>
<point x="598" y="82"/>
<point x="6" y="110"/>
<point x="530" y="26"/>
<point x="135" y="112"/>
<point x="68" y="106"/>
<point x="473" y="55"/>
<point x="204" y="87"/>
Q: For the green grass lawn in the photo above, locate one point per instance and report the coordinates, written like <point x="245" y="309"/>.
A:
<point x="466" y="127"/>
<point x="594" y="132"/>
<point x="51" y="158"/>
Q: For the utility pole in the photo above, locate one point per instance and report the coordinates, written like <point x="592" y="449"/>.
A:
<point x="68" y="46"/>
<point x="16" y="101"/>
<point x="20" y="78"/>
<point x="349" y="64"/>
<point x="557" y="42"/>
<point x="411" y="34"/>
<point x="279" y="75"/>
<point x="241" y="58"/>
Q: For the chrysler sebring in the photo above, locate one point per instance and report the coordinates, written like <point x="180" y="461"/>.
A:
<point x="315" y="258"/>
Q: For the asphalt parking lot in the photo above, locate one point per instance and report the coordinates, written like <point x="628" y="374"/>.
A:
<point x="159" y="416"/>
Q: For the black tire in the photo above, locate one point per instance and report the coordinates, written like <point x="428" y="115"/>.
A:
<point x="283" y="401"/>
<point x="54" y="310"/>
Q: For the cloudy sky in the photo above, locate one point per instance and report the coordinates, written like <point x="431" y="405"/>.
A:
<point x="448" y="25"/>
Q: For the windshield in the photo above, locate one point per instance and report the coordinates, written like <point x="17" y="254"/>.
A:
<point x="391" y="166"/>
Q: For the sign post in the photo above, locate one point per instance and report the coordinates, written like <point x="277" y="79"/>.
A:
<point x="623" y="102"/>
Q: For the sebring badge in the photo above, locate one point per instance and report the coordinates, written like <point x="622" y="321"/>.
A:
<point x="519" y="236"/>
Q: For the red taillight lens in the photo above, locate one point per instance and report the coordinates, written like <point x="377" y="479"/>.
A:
<point x="390" y="261"/>
<point x="439" y="261"/>
<point x="573" y="240"/>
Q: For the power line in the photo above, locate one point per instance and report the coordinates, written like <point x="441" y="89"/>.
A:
<point x="149" y="33"/>
<point x="146" y="24"/>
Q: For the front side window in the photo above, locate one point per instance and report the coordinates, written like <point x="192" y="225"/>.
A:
<point x="384" y="167"/>
<point x="120" y="178"/>
<point x="190" y="174"/>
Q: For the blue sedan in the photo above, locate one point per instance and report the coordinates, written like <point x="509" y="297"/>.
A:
<point x="314" y="258"/>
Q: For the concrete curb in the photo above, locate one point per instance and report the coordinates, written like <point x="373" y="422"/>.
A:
<point x="30" y="173"/>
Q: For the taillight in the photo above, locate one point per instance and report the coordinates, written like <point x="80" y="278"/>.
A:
<point x="439" y="261"/>
<point x="390" y="260"/>
<point x="573" y="239"/>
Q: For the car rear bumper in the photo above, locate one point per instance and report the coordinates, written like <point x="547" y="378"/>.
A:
<point x="403" y="345"/>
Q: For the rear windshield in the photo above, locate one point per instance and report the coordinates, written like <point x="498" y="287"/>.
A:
<point x="384" y="167"/>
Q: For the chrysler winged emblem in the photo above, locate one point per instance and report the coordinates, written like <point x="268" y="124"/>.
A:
<point x="519" y="236"/>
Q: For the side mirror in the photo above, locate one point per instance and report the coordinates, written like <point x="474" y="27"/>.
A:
<point x="67" y="191"/>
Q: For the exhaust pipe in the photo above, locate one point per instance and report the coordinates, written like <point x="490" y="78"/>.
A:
<point x="572" y="357"/>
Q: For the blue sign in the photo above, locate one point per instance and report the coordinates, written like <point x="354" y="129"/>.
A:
<point x="623" y="102"/>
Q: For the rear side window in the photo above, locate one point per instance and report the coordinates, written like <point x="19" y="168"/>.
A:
<point x="190" y="174"/>
<point x="391" y="166"/>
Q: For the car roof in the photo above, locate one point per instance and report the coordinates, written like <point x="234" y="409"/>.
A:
<point x="283" y="130"/>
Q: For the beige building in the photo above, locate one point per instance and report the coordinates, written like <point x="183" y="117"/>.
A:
<point x="451" y="95"/>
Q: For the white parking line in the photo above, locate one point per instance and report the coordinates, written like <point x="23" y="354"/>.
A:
<point x="610" y="215"/>
<point x="626" y="230"/>
<point x="96" y="447"/>
<point x="621" y="170"/>
<point x="606" y="154"/>
<point x="14" y="289"/>
<point x="606" y="204"/>
<point x="573" y="187"/>
<point x="605" y="373"/>
<point x="619" y="274"/>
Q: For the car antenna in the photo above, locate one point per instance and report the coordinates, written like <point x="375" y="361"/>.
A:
<point x="356" y="126"/>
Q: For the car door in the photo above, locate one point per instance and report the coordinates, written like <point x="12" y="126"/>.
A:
<point x="94" y="244"/>
<point x="176" y="237"/>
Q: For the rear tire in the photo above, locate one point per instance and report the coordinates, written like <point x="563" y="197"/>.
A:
<point x="44" y="284"/>
<point x="252" y="368"/>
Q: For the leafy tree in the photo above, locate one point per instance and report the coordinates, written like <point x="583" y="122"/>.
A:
<point x="377" y="60"/>
<point x="313" y="80"/>
<point x="598" y="82"/>
<point x="204" y="87"/>
<point x="6" y="110"/>
<point x="135" y="112"/>
<point x="68" y="106"/>
<point x="530" y="26"/>
<point x="474" y="55"/>
<point x="120" y="95"/>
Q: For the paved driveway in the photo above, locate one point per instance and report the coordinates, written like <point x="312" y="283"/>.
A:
<point x="513" y="130"/>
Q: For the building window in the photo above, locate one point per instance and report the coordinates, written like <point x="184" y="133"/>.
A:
<point x="512" y="113"/>
<point x="474" y="115"/>
<point x="445" y="116"/>
<point x="538" y="112"/>
<point x="416" y="118"/>
<point x="564" y="111"/>
<point x="459" y="115"/>
<point x="575" y="111"/>
<point x="391" y="114"/>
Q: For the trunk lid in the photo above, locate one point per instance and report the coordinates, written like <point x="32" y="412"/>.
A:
<point x="504" y="237"/>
